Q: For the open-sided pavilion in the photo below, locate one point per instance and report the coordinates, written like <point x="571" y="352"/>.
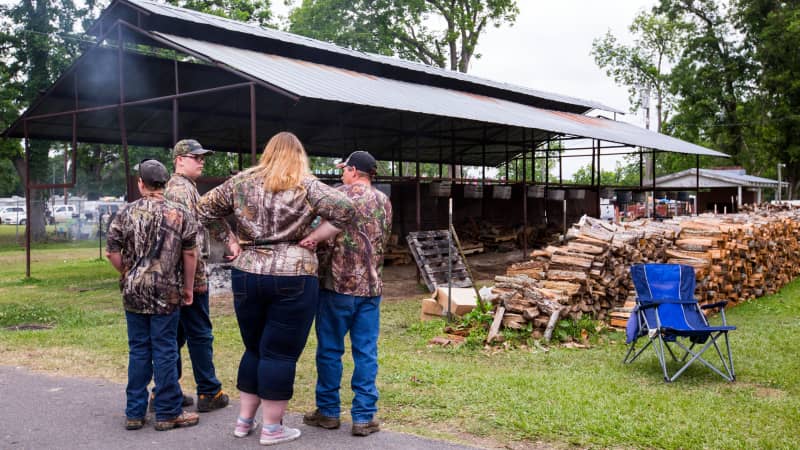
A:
<point x="159" y="73"/>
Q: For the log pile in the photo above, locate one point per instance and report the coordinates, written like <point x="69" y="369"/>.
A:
<point x="736" y="258"/>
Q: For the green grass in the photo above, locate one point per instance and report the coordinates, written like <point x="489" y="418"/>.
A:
<point x="562" y="397"/>
<point x="12" y="239"/>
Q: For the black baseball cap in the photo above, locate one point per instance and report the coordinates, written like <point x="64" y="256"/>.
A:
<point x="362" y="161"/>
<point x="152" y="172"/>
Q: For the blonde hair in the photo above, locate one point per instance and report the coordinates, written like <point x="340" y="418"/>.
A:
<point x="284" y="163"/>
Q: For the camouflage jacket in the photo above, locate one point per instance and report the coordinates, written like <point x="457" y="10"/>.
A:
<point x="151" y="235"/>
<point x="183" y="190"/>
<point x="352" y="262"/>
<point x="271" y="224"/>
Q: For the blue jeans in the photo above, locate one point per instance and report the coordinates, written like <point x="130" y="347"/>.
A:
<point x="275" y="315"/>
<point x="153" y="351"/>
<point x="338" y="314"/>
<point x="195" y="328"/>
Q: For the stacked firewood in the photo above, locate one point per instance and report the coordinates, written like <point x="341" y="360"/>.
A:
<point x="736" y="258"/>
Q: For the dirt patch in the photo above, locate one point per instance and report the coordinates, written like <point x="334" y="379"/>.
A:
<point x="765" y="392"/>
<point x="221" y="303"/>
<point x="399" y="281"/>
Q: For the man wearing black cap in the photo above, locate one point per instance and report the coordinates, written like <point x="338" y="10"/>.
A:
<point x="195" y="323"/>
<point x="152" y="244"/>
<point x="350" y="269"/>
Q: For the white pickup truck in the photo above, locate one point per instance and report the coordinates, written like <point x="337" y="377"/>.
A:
<point x="62" y="213"/>
<point x="13" y="215"/>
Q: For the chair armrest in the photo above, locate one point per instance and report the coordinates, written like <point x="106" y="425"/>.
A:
<point x="649" y="305"/>
<point x="720" y="304"/>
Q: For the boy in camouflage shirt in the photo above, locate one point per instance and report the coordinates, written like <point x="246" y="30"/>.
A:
<point x="152" y="244"/>
<point x="195" y="324"/>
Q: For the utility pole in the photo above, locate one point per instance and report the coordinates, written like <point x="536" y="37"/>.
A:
<point x="648" y="175"/>
<point x="780" y="182"/>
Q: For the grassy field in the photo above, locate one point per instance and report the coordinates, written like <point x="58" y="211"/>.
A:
<point x="521" y="398"/>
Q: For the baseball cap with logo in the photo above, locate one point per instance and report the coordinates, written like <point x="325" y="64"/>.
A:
<point x="362" y="161"/>
<point x="152" y="173"/>
<point x="188" y="147"/>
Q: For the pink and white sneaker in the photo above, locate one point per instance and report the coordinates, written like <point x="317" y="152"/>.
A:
<point x="244" y="428"/>
<point x="282" y="434"/>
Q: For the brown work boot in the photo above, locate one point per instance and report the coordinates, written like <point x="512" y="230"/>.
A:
<point x="208" y="402"/>
<point x="185" y="419"/>
<point x="185" y="401"/>
<point x="134" y="424"/>
<point x="316" y="419"/>
<point x="365" y="429"/>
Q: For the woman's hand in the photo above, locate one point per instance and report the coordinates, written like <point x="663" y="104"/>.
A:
<point x="308" y="243"/>
<point x="233" y="249"/>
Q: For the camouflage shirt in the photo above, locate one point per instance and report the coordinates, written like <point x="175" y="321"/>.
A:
<point x="151" y="235"/>
<point x="352" y="262"/>
<point x="271" y="224"/>
<point x="181" y="189"/>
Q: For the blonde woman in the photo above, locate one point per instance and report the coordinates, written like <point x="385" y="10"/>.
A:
<point x="274" y="279"/>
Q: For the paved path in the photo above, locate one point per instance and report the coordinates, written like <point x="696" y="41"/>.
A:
<point x="43" y="412"/>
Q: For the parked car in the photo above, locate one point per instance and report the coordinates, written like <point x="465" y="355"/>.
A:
<point x="13" y="215"/>
<point x="62" y="213"/>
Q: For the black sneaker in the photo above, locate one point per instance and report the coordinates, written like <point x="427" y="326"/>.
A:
<point x="208" y="402"/>
<point x="316" y="419"/>
<point x="187" y="401"/>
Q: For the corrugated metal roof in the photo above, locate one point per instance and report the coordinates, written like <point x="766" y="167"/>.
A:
<point x="255" y="30"/>
<point x="714" y="178"/>
<point x="317" y="81"/>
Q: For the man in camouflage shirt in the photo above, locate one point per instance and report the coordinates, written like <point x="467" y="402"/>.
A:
<point x="351" y="266"/>
<point x="152" y="245"/>
<point x="195" y="324"/>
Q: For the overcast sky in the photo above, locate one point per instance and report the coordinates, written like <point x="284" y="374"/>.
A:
<point x="549" y="48"/>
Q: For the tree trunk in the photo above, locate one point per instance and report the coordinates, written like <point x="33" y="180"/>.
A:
<point x="37" y="224"/>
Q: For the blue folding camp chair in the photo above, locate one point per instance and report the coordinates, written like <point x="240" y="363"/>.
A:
<point x="667" y="313"/>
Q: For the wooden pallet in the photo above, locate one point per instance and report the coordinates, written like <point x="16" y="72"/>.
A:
<point x="429" y="249"/>
<point x="471" y="248"/>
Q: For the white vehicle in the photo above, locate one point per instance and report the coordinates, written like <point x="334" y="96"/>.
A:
<point x="62" y="213"/>
<point x="13" y="215"/>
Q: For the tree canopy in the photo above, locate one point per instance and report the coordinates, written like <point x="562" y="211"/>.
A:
<point x="732" y="83"/>
<point x="441" y="33"/>
<point x="253" y="11"/>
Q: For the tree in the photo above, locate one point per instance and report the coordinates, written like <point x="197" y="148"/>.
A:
<point x="254" y="11"/>
<point x="771" y="33"/>
<point x="643" y="65"/>
<point x="38" y="40"/>
<point x="622" y="175"/>
<point x="712" y="77"/>
<point x="441" y="33"/>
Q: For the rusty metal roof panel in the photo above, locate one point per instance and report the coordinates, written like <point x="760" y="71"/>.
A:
<point x="321" y="82"/>
<point x="255" y="30"/>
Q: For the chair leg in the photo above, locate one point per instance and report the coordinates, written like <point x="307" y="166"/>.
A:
<point x="730" y="358"/>
<point x="661" y="356"/>
<point x="671" y="353"/>
<point x="698" y="356"/>
<point x="631" y="349"/>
